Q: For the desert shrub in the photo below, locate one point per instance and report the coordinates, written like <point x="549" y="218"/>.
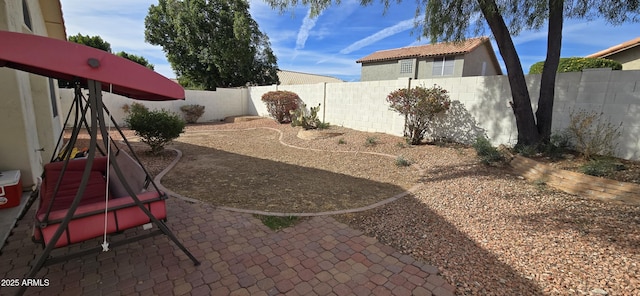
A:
<point x="559" y="144"/>
<point x="526" y="150"/>
<point x="371" y="141"/>
<point x="324" y="125"/>
<point x="418" y="105"/>
<point x="342" y="141"/>
<point x="487" y="153"/>
<point x="280" y="104"/>
<point x="134" y="108"/>
<point x="576" y="64"/>
<point x="402" y="162"/>
<point x="155" y="128"/>
<point x="592" y="134"/>
<point x="600" y="167"/>
<point x="300" y="117"/>
<point x="192" y="112"/>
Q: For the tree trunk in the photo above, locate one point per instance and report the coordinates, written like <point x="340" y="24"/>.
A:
<point x="544" y="114"/>
<point x="521" y="104"/>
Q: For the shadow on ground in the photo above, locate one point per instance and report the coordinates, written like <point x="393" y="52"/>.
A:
<point x="234" y="180"/>
<point x="440" y="239"/>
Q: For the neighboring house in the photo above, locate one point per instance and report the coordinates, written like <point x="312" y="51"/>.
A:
<point x="291" y="77"/>
<point x="627" y="54"/>
<point x="472" y="57"/>
<point x="30" y="119"/>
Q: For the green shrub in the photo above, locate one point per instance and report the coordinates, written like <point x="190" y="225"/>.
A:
<point x="280" y="104"/>
<point x="526" y="150"/>
<point x="402" y="162"/>
<point x="192" y="112"/>
<point x="371" y="141"/>
<point x="559" y="144"/>
<point x="155" y="128"/>
<point x="592" y="134"/>
<point x="324" y="125"/>
<point x="299" y="117"/>
<point x="576" y="64"/>
<point x="342" y="141"/>
<point x="487" y="153"/>
<point x="600" y="167"/>
<point x="418" y="105"/>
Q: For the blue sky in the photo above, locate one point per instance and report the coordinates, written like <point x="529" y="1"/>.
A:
<point x="330" y="43"/>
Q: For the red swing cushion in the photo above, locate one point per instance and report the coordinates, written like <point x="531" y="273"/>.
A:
<point x="88" y="220"/>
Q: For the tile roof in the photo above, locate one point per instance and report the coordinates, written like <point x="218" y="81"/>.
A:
<point x="430" y="50"/>
<point x="615" y="49"/>
<point x="292" y="77"/>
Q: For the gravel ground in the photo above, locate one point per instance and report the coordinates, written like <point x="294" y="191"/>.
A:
<point x="489" y="231"/>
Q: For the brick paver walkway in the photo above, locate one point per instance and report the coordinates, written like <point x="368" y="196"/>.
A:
<point x="239" y="255"/>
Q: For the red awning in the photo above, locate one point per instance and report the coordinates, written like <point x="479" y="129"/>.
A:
<point x="71" y="61"/>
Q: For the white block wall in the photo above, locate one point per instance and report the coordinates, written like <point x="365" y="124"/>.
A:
<point x="480" y="105"/>
<point x="218" y="104"/>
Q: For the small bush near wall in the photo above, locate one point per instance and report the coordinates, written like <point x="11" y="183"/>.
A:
<point x="134" y="108"/>
<point x="578" y="64"/>
<point x="592" y="134"/>
<point x="418" y="105"/>
<point x="280" y="104"/>
<point x="155" y="128"/>
<point x="487" y="154"/>
<point x="192" y="112"/>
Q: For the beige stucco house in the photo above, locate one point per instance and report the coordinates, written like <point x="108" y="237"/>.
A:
<point x="472" y="57"/>
<point x="293" y="78"/>
<point x="30" y="118"/>
<point x="627" y="54"/>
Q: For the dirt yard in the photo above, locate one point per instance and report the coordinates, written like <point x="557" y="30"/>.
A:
<point x="251" y="169"/>
<point x="487" y="230"/>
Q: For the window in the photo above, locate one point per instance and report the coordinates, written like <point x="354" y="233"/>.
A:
<point x="26" y="15"/>
<point x="52" y="95"/>
<point x="406" y="66"/>
<point x="443" y="66"/>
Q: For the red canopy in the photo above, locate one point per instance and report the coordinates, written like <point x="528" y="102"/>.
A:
<point x="71" y="61"/>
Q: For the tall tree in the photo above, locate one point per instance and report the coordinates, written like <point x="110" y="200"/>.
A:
<point x="136" y="58"/>
<point x="92" y="41"/>
<point x="212" y="43"/>
<point x="99" y="43"/>
<point x="450" y="20"/>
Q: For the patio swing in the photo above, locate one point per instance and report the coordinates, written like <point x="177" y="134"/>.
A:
<point x="85" y="198"/>
<point x="105" y="199"/>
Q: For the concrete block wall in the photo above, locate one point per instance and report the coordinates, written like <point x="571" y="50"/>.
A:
<point x="614" y="94"/>
<point x="480" y="105"/>
<point x="218" y="104"/>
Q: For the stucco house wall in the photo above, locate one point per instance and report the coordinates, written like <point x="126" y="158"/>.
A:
<point x="626" y="53"/>
<point x="30" y="118"/>
<point x="474" y="58"/>
<point x="630" y="59"/>
<point x="380" y="71"/>
<point x="480" y="62"/>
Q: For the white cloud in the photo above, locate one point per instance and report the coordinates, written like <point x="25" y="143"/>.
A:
<point x="384" y="33"/>
<point x="307" y="24"/>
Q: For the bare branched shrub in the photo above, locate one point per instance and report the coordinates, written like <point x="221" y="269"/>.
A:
<point x="592" y="134"/>
<point x="192" y="112"/>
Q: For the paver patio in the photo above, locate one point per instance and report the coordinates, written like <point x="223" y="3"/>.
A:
<point x="239" y="255"/>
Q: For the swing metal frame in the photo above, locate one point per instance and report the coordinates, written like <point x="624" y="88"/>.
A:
<point x="94" y="108"/>
<point x="96" y="70"/>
